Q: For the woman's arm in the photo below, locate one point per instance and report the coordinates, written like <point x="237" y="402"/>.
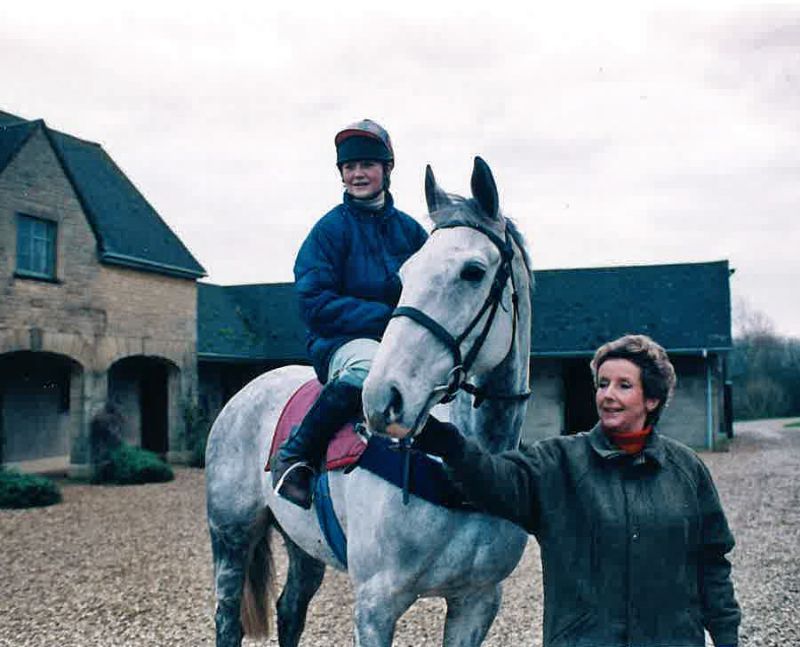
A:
<point x="506" y="485"/>
<point x="721" y="614"/>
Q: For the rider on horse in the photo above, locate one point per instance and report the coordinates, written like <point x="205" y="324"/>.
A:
<point x="347" y="285"/>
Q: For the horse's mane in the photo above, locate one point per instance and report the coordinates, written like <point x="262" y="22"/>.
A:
<point x="468" y="210"/>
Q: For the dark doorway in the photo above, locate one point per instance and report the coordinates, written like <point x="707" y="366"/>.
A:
<point x="138" y="387"/>
<point x="35" y="405"/>
<point x="153" y="398"/>
<point x="579" y="410"/>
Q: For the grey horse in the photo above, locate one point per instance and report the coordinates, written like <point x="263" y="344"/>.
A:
<point x="443" y="339"/>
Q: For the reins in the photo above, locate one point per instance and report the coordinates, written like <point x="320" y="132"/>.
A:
<point x="457" y="378"/>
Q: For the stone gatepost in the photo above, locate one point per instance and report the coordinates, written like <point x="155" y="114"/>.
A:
<point x="94" y="397"/>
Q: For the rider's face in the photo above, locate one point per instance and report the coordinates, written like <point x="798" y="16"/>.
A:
<point x="363" y="179"/>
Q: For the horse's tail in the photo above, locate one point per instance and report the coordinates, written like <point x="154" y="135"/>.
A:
<point x="259" y="576"/>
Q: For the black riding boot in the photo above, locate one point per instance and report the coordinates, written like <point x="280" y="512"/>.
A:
<point x="301" y="453"/>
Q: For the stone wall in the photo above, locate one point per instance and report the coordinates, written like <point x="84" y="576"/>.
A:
<point x="545" y="416"/>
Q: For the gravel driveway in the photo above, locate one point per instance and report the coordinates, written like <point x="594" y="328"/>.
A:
<point x="132" y="566"/>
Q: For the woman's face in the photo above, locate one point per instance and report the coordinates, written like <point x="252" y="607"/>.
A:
<point x="363" y="179"/>
<point x="620" y="400"/>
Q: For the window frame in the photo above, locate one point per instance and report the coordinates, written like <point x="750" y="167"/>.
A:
<point x="41" y="232"/>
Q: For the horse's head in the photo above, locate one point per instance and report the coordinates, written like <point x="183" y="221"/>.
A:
<point x="458" y="313"/>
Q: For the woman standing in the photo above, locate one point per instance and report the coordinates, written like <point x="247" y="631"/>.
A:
<point x="347" y="285"/>
<point x="632" y="534"/>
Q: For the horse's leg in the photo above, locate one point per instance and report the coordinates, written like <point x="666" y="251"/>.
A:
<point x="242" y="568"/>
<point x="302" y="582"/>
<point x="470" y="616"/>
<point x="376" y="612"/>
<point x="229" y="551"/>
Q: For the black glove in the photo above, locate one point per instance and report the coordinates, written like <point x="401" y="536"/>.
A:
<point x="393" y="289"/>
<point x="438" y="438"/>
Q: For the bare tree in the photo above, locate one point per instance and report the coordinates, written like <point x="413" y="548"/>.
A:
<point x="765" y="367"/>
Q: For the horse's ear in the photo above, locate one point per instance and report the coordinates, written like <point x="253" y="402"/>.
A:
<point x="484" y="189"/>
<point x="434" y="196"/>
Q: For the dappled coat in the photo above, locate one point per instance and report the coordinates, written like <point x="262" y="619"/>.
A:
<point x="346" y="275"/>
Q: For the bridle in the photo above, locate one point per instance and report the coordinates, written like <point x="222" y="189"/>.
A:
<point x="457" y="378"/>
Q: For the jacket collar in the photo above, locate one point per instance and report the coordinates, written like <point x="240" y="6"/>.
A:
<point x="388" y="207"/>
<point x="605" y="449"/>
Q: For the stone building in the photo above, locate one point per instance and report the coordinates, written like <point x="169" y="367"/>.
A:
<point x="244" y="330"/>
<point x="98" y="303"/>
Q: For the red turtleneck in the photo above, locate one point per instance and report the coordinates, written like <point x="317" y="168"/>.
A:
<point x="631" y="442"/>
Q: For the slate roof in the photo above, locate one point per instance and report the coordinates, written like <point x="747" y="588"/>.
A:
<point x="685" y="307"/>
<point x="249" y="323"/>
<point x="128" y="230"/>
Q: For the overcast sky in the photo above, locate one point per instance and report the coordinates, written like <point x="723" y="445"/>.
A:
<point x="617" y="135"/>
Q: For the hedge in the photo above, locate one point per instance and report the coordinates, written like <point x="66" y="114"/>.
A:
<point x="18" y="490"/>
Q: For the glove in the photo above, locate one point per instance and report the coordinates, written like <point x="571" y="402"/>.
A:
<point x="392" y="290"/>
<point x="438" y="438"/>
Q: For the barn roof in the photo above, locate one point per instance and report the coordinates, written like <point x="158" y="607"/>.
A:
<point x="685" y="307"/>
<point x="249" y="323"/>
<point x="127" y="228"/>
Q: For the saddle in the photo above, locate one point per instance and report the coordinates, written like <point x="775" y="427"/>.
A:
<point x="378" y="455"/>
<point x="345" y="447"/>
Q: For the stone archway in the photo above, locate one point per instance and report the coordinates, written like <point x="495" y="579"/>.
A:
<point x="41" y="410"/>
<point x="140" y="387"/>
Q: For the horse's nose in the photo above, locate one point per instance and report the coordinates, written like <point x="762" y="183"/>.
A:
<point x="394" y="410"/>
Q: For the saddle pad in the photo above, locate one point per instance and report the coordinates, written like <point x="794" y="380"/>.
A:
<point x="344" y="449"/>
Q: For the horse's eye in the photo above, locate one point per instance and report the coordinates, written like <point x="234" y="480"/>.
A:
<point x="473" y="273"/>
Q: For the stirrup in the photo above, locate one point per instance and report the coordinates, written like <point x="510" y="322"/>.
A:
<point x="293" y="492"/>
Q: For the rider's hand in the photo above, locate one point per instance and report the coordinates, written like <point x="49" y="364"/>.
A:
<point x="438" y="438"/>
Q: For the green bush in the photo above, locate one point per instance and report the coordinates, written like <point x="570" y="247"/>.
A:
<point x="18" y="490"/>
<point x="132" y="465"/>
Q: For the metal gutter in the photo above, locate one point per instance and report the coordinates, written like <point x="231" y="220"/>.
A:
<point x="589" y="353"/>
<point x="245" y="359"/>
<point x="115" y="258"/>
<point x="709" y="405"/>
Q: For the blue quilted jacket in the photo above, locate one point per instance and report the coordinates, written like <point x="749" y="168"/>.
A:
<point x="346" y="275"/>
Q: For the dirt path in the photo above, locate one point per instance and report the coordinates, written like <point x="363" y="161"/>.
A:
<point x="131" y="565"/>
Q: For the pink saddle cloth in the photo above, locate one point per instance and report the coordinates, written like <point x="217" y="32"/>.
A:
<point x="345" y="447"/>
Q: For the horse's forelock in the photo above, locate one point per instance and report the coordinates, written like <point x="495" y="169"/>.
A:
<point x="465" y="210"/>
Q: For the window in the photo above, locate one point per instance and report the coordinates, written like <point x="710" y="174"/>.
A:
<point x="36" y="247"/>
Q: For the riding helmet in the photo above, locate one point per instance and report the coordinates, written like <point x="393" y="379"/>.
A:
<point x="363" y="140"/>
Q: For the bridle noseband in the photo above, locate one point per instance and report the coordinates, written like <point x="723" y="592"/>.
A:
<point x="457" y="378"/>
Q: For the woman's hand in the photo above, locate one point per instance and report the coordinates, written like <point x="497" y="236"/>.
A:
<point x="438" y="438"/>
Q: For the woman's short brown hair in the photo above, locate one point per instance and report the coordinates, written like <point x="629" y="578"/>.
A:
<point x="658" y="374"/>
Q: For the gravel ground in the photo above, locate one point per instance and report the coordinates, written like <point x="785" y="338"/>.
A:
<point x="132" y="565"/>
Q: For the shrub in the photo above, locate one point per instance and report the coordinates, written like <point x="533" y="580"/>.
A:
<point x="18" y="490"/>
<point x="132" y="465"/>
